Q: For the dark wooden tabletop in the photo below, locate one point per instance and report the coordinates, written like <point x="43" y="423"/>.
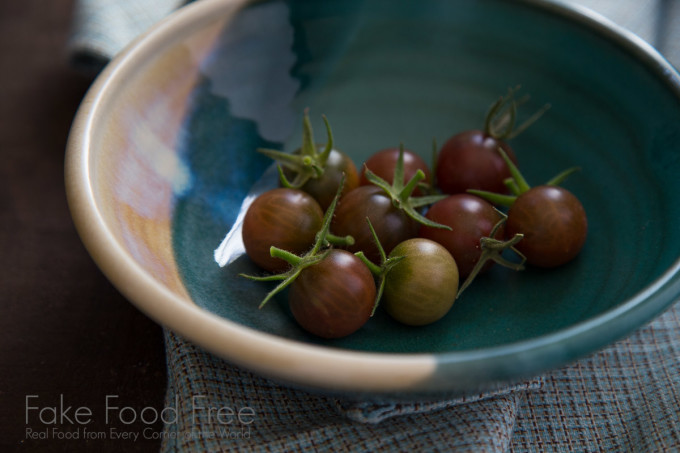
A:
<point x="65" y="333"/>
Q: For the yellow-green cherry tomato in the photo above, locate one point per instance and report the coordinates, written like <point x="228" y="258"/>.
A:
<point x="421" y="288"/>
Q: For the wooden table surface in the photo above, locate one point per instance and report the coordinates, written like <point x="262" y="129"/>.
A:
<point x="65" y="333"/>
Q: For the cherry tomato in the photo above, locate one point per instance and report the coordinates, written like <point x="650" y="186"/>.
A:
<point x="286" y="218"/>
<point x="383" y="162"/>
<point x="334" y="297"/>
<point x="421" y="288"/>
<point x="392" y="225"/>
<point x="553" y="222"/>
<point x="470" y="160"/>
<point x="324" y="188"/>
<point x="470" y="219"/>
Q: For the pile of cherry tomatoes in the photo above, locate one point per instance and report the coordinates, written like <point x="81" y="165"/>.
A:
<point x="399" y="234"/>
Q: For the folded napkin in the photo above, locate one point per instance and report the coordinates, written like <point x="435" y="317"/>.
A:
<point x="280" y="418"/>
<point x="624" y="398"/>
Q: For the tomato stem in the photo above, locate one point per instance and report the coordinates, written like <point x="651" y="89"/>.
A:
<point x="287" y="277"/>
<point x="385" y="267"/>
<point x="526" y="124"/>
<point x="501" y="115"/>
<point x="381" y="249"/>
<point x="512" y="186"/>
<point x="517" y="184"/>
<point x="380" y="272"/>
<point x="561" y="177"/>
<point x="375" y="269"/>
<point x="494" y="198"/>
<point x="307" y="162"/>
<point x="492" y="249"/>
<point x="323" y="157"/>
<point x="322" y="235"/>
<point x="401" y="194"/>
<point x="284" y="181"/>
<point x="313" y="256"/>
<point x="522" y="185"/>
<point x="501" y="119"/>
<point x="411" y="185"/>
<point x="288" y="257"/>
<point x="398" y="178"/>
<point x="308" y="145"/>
<point x="340" y="241"/>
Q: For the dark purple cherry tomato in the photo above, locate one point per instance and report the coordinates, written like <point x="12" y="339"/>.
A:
<point x="383" y="162"/>
<point x="334" y="297"/>
<point x="470" y="160"/>
<point x="324" y="188"/>
<point x="421" y="288"/>
<point x="392" y="225"/>
<point x="470" y="219"/>
<point x="286" y="218"/>
<point x="553" y="223"/>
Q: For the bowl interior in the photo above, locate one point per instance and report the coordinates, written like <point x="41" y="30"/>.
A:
<point x="388" y="72"/>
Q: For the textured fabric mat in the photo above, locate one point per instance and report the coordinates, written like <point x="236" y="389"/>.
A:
<point x="625" y="398"/>
<point x="286" y="419"/>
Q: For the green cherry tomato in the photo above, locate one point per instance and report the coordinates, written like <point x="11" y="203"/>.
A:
<point x="421" y="288"/>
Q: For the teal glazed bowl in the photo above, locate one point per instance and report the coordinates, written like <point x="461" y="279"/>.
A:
<point x="162" y="155"/>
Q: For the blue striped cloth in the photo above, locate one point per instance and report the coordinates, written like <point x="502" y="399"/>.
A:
<point x="625" y="398"/>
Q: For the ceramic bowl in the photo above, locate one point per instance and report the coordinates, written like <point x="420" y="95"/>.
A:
<point x="162" y="155"/>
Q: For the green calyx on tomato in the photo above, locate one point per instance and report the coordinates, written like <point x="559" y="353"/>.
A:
<point x="400" y="192"/>
<point x="552" y="220"/>
<point x="501" y="118"/>
<point x="307" y="163"/>
<point x="298" y="263"/>
<point x="517" y="184"/>
<point x="380" y="272"/>
<point x="492" y="249"/>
